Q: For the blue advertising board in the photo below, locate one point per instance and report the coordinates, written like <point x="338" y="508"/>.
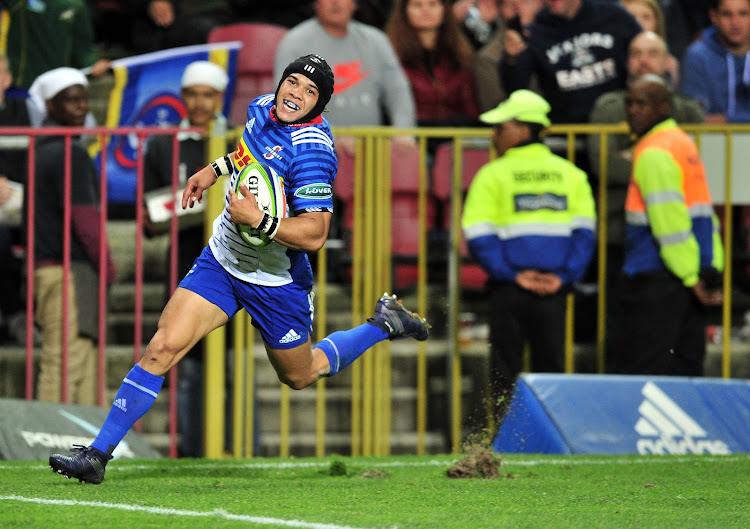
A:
<point x="612" y="414"/>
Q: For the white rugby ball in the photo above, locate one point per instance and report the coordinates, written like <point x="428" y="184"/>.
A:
<point x="268" y="188"/>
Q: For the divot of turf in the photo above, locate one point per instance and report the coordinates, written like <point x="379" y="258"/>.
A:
<point x="374" y="474"/>
<point x="479" y="462"/>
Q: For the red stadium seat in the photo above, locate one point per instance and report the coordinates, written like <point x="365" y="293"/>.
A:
<point x="472" y="275"/>
<point x="254" y="64"/>
<point x="442" y="171"/>
<point x="404" y="209"/>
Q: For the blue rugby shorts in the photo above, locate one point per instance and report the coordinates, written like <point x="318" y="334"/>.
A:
<point x="282" y="314"/>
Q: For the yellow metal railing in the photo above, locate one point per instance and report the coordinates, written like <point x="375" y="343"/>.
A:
<point x="371" y="276"/>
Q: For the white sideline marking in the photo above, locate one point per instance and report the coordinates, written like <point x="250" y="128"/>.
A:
<point x="262" y="520"/>
<point x="282" y="465"/>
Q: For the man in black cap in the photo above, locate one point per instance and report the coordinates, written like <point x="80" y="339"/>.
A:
<point x="269" y="275"/>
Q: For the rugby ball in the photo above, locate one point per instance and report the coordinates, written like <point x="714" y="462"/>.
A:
<point x="268" y="188"/>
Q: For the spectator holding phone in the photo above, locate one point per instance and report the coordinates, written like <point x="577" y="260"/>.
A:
<point x="514" y="15"/>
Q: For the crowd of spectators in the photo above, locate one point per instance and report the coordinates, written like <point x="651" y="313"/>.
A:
<point x="410" y="63"/>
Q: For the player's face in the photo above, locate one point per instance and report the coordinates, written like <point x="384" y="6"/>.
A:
<point x="70" y="106"/>
<point x="297" y="97"/>
<point x="647" y="54"/>
<point x="201" y="103"/>
<point x="732" y="20"/>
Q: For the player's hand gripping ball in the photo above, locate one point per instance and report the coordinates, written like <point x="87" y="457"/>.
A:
<point x="268" y="188"/>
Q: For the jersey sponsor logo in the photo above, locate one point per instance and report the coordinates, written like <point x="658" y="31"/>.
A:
<point x="314" y="191"/>
<point x="249" y="125"/>
<point x="273" y="152"/>
<point x="243" y="156"/>
<point x="290" y="336"/>
<point x="665" y="428"/>
<point x="528" y="202"/>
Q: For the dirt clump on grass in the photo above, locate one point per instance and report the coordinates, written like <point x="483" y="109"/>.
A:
<point x="479" y="461"/>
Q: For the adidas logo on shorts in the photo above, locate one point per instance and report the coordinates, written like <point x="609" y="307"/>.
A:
<point x="291" y="336"/>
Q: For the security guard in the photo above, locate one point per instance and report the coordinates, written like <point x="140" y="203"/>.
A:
<point x="673" y="251"/>
<point x="529" y="220"/>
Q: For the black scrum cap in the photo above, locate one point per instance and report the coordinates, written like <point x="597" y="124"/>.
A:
<point x="315" y="68"/>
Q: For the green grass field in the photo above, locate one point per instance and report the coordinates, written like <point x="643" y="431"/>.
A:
<point x="406" y="492"/>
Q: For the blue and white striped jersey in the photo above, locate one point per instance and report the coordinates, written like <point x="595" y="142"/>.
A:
<point x="304" y="156"/>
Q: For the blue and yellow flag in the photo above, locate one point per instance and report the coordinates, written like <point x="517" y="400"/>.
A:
<point x="147" y="93"/>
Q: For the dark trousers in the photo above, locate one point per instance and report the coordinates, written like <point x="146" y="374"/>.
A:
<point x="615" y="334"/>
<point x="664" y="327"/>
<point x="517" y="316"/>
<point x="11" y="278"/>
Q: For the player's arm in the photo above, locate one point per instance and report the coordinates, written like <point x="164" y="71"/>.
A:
<point x="204" y="179"/>
<point x="306" y="231"/>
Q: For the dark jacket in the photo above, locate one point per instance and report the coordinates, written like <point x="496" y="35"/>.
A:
<point x="575" y="60"/>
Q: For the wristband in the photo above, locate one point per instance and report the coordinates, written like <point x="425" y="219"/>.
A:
<point x="269" y="225"/>
<point x="222" y="166"/>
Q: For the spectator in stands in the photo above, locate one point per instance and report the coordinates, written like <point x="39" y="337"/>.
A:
<point x="41" y="36"/>
<point x="159" y="24"/>
<point x="649" y="15"/>
<point x="647" y="55"/>
<point x="437" y="59"/>
<point x="516" y="14"/>
<point x="529" y="220"/>
<point x="14" y="112"/>
<point x="112" y="24"/>
<point x="65" y="92"/>
<point x="716" y="69"/>
<point x="374" y="12"/>
<point x="577" y="48"/>
<point x="673" y="251"/>
<point x="479" y="19"/>
<point x="686" y="19"/>
<point x="287" y="13"/>
<point x="12" y="321"/>
<point x="203" y="86"/>
<point x="371" y="87"/>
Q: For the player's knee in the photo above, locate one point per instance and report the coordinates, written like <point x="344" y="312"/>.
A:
<point x="162" y="348"/>
<point x="295" y="380"/>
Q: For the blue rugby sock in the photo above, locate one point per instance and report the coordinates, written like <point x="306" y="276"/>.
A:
<point x="135" y="397"/>
<point x="344" y="347"/>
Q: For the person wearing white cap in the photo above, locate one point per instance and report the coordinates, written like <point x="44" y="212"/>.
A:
<point x="65" y="95"/>
<point x="203" y="86"/>
<point x="529" y="221"/>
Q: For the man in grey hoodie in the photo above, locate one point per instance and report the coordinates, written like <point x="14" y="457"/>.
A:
<point x="716" y="69"/>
